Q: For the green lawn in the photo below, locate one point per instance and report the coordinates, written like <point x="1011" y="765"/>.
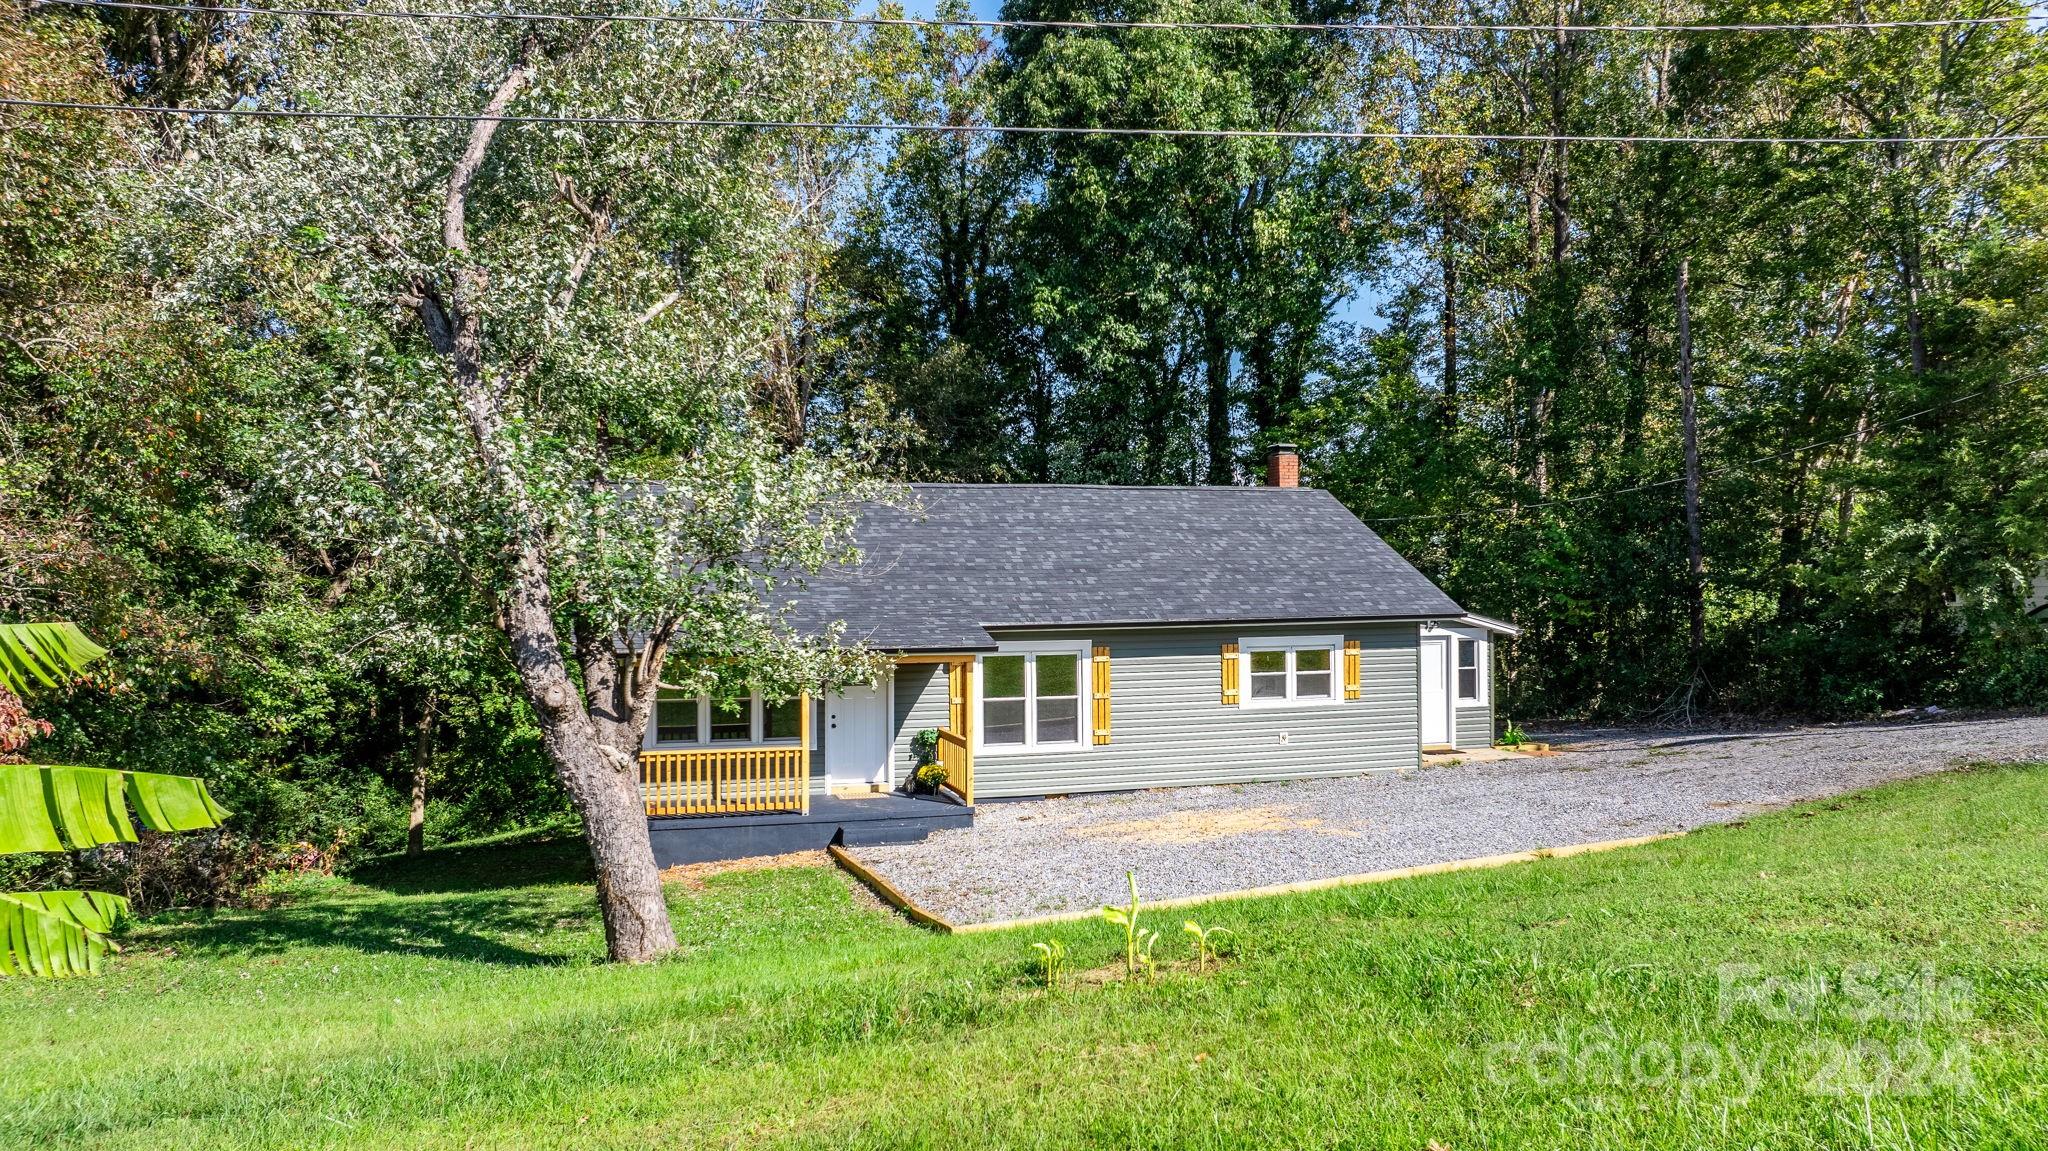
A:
<point x="457" y="1002"/>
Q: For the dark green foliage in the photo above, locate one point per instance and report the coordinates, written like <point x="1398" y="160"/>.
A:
<point x="1867" y="326"/>
<point x="136" y="498"/>
<point x="925" y="745"/>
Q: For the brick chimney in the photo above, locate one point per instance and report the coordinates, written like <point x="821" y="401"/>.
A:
<point x="1283" y="466"/>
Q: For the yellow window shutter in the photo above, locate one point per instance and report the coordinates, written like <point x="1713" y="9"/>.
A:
<point x="1351" y="685"/>
<point x="1229" y="674"/>
<point x="1101" y="681"/>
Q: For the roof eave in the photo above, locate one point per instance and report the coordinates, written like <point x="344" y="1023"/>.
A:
<point x="1502" y="627"/>
<point x="1234" y="621"/>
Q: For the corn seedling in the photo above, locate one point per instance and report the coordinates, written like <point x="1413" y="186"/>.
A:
<point x="1205" y="942"/>
<point x="1053" y="954"/>
<point x="1127" y="918"/>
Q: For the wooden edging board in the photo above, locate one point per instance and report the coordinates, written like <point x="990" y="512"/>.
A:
<point x="887" y="890"/>
<point x="891" y="895"/>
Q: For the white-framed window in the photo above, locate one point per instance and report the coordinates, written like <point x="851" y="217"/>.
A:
<point x="1032" y="697"/>
<point x="699" y="721"/>
<point x="1276" y="671"/>
<point x="1470" y="668"/>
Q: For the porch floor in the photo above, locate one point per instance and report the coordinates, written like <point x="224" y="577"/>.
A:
<point x="867" y="821"/>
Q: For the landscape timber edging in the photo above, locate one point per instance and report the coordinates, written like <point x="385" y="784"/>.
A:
<point x="889" y="894"/>
<point x="887" y="891"/>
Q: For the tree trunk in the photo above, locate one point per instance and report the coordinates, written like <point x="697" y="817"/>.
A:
<point x="603" y="781"/>
<point x="1907" y="208"/>
<point x="1448" y="325"/>
<point x="1560" y="241"/>
<point x="422" y="761"/>
<point x="1845" y="507"/>
<point x="1216" y="381"/>
<point x="1696" y="580"/>
<point x="1560" y="156"/>
<point x="1915" y="325"/>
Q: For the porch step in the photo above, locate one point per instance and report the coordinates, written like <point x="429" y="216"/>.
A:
<point x="863" y="823"/>
<point x="878" y="833"/>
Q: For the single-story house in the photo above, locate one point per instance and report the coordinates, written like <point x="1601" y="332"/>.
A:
<point x="1073" y="638"/>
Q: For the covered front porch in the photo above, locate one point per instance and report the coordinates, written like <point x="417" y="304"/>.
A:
<point x="709" y="799"/>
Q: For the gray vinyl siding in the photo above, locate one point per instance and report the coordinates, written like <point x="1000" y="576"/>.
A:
<point x="1169" y="727"/>
<point x="1472" y="724"/>
<point x="920" y="703"/>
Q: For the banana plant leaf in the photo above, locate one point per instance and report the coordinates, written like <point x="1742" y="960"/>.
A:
<point x="51" y="934"/>
<point x="43" y="653"/>
<point x="53" y="808"/>
<point x="93" y="910"/>
<point x="173" y="802"/>
<point x="26" y="821"/>
<point x="88" y="804"/>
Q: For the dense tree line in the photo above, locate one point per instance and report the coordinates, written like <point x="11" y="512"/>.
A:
<point x="1484" y="347"/>
<point x="1865" y="323"/>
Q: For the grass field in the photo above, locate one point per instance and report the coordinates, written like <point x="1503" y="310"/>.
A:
<point x="1619" y="1000"/>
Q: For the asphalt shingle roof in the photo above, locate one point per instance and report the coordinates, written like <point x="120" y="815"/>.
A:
<point x="962" y="559"/>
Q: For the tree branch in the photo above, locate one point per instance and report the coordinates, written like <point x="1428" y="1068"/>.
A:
<point x="662" y="305"/>
<point x="597" y="220"/>
<point x="455" y="202"/>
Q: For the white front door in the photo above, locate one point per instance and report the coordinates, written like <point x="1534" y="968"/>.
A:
<point x="1436" y="693"/>
<point x="856" y="738"/>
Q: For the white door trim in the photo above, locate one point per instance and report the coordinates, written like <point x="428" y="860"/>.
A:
<point x="1433" y="700"/>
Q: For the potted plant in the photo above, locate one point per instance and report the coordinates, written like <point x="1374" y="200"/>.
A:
<point x="926" y="773"/>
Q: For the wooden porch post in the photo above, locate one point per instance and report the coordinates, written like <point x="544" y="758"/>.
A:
<point x="803" y="752"/>
<point x="966" y="728"/>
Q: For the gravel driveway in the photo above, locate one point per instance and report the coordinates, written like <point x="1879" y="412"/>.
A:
<point x="1042" y="856"/>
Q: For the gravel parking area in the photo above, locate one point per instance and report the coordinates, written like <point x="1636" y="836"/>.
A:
<point x="1043" y="856"/>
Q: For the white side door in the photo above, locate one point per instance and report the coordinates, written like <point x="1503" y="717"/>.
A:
<point x="856" y="737"/>
<point x="1436" y="691"/>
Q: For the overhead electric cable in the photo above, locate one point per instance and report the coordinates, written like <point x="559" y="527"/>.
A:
<point x="758" y="19"/>
<point x="1005" y="129"/>
<point x="1567" y="501"/>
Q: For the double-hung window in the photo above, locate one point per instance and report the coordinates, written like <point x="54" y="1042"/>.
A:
<point x="675" y="720"/>
<point x="694" y="721"/>
<point x="1470" y="678"/>
<point x="1031" y="697"/>
<point x="1291" y="669"/>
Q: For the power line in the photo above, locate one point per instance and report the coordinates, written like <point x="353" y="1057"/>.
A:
<point x="1006" y="129"/>
<point x="1037" y="25"/>
<point x="1665" y="483"/>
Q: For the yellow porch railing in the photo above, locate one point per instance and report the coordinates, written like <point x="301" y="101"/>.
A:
<point x="725" y="782"/>
<point x="956" y="739"/>
<point x="957" y="757"/>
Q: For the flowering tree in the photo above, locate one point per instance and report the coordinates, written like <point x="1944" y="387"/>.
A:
<point x="526" y="353"/>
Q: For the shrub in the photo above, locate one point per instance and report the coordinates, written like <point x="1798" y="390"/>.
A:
<point x="210" y="870"/>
